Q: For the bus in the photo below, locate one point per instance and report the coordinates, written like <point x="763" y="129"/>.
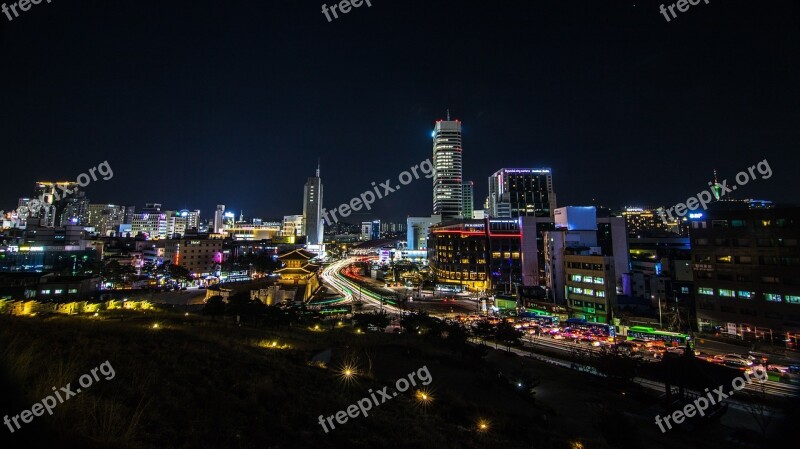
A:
<point x="603" y="329"/>
<point x="651" y="334"/>
<point x="538" y="317"/>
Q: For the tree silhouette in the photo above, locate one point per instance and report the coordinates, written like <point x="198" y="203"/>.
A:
<point x="215" y="306"/>
<point x="507" y="334"/>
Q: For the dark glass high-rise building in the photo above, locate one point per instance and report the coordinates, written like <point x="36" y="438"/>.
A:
<point x="521" y="192"/>
<point x="312" y="210"/>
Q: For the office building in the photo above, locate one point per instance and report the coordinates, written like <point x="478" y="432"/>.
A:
<point x="417" y="229"/>
<point x="490" y="255"/>
<point x="150" y="222"/>
<point x="219" y="217"/>
<point x="74" y="209"/>
<point x="293" y="225"/>
<point x="581" y="244"/>
<point x="192" y="218"/>
<point x="643" y="222"/>
<point x="747" y="272"/>
<point x="467" y="200"/>
<point x="447" y="178"/>
<point x="312" y="210"/>
<point x="105" y="218"/>
<point x="369" y="231"/>
<point x="521" y="192"/>
<point x="199" y="256"/>
<point x="589" y="284"/>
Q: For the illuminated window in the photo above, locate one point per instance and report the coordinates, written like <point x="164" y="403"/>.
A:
<point x="793" y="299"/>
<point x="577" y="277"/>
<point x="724" y="259"/>
<point x="588" y="292"/>
<point x="726" y="293"/>
<point x="601" y="294"/>
<point x="515" y="255"/>
<point x="45" y="292"/>
<point x="578" y="290"/>
<point x="772" y="297"/>
<point x="745" y="294"/>
<point x="598" y="280"/>
<point x="72" y="290"/>
<point x="59" y="291"/>
<point x="705" y="291"/>
<point x="587" y="279"/>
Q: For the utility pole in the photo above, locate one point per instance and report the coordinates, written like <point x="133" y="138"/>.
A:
<point x="660" y="323"/>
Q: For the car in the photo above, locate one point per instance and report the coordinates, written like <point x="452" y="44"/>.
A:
<point x="778" y="369"/>
<point x="736" y="360"/>
<point x="676" y="350"/>
<point x="758" y="357"/>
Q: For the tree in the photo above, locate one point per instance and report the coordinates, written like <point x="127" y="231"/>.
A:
<point x="178" y="273"/>
<point x="377" y="319"/>
<point x="484" y="329"/>
<point x="114" y="273"/>
<point x="507" y="334"/>
<point x="215" y="306"/>
<point x="419" y="322"/>
<point x="617" y="364"/>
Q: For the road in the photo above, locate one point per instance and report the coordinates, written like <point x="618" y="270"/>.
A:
<point x="567" y="346"/>
<point x="349" y="289"/>
<point x="374" y="295"/>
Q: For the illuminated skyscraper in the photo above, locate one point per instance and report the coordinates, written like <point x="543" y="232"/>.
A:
<point x="218" y="218"/>
<point x="447" y="183"/>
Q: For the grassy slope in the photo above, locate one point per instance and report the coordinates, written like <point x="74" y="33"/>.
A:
<point x="193" y="386"/>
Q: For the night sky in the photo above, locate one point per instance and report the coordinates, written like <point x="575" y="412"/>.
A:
<point x="195" y="103"/>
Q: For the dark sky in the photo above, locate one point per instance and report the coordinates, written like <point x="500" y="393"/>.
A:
<point x="195" y="103"/>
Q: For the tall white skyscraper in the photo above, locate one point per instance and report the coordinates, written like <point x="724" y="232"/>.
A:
<point x="218" y="218"/>
<point x="312" y="210"/>
<point x="447" y="184"/>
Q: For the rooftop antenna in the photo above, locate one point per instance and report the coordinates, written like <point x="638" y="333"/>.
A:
<point x="448" y="114"/>
<point x="716" y="188"/>
<point x="317" y="167"/>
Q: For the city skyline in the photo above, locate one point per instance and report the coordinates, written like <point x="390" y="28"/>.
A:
<point x="417" y="224"/>
<point x="682" y="90"/>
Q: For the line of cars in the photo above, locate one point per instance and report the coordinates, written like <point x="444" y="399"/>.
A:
<point x="777" y="372"/>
